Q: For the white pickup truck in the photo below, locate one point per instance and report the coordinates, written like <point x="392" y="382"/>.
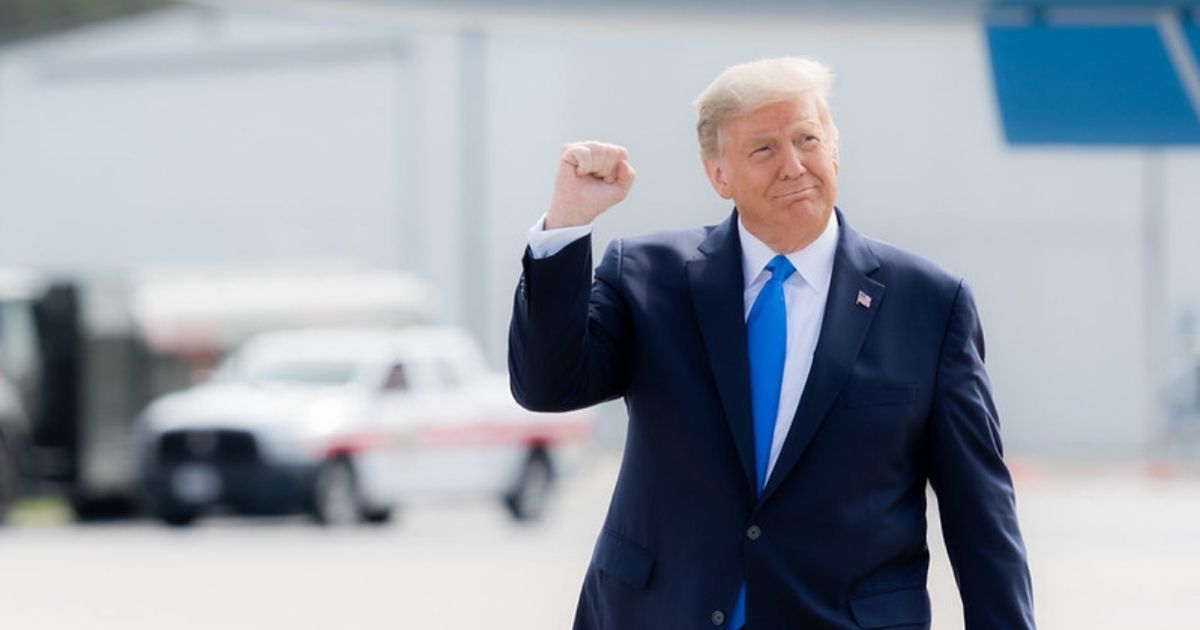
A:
<point x="345" y="424"/>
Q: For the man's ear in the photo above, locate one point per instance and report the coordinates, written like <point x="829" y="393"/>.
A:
<point x="716" y="176"/>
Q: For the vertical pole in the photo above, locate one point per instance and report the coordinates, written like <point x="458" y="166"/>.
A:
<point x="473" y="180"/>
<point x="1155" y="307"/>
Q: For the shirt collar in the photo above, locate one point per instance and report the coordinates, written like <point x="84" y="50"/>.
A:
<point x="813" y="263"/>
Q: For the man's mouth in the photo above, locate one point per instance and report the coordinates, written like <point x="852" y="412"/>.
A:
<point x="794" y="193"/>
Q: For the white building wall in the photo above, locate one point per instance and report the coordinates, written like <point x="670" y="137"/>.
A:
<point x="201" y="136"/>
<point x="358" y="142"/>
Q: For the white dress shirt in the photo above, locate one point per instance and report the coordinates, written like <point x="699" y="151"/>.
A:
<point x="804" y="294"/>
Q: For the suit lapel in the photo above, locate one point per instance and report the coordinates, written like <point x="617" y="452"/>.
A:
<point x="717" y="284"/>
<point x="843" y="330"/>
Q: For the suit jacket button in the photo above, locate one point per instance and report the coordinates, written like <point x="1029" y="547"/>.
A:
<point x="753" y="532"/>
<point x="718" y="617"/>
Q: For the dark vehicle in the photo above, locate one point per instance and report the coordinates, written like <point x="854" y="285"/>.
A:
<point x="86" y="355"/>
<point x="20" y="385"/>
<point x="14" y="441"/>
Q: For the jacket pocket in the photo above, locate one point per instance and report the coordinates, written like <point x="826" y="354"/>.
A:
<point x="880" y="394"/>
<point x="623" y="559"/>
<point x="897" y="608"/>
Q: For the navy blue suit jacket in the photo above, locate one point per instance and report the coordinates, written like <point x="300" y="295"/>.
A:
<point x="897" y="396"/>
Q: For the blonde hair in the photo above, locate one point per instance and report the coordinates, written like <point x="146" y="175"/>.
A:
<point x="746" y="87"/>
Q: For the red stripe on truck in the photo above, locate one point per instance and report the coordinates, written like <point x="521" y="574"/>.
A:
<point x="352" y="443"/>
<point x="493" y="433"/>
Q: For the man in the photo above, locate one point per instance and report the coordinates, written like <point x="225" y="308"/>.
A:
<point x="791" y="384"/>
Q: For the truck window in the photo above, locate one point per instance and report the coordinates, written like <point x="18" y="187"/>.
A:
<point x="397" y="379"/>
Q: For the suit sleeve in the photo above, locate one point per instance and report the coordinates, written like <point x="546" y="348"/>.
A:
<point x="568" y="338"/>
<point x="973" y="485"/>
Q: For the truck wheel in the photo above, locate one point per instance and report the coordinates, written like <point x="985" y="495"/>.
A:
<point x="527" y="501"/>
<point x="335" y="497"/>
<point x="177" y="517"/>
<point x="9" y="479"/>
<point x="378" y="516"/>
<point x="91" y="510"/>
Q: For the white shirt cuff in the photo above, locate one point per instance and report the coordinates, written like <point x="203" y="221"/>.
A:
<point x="545" y="243"/>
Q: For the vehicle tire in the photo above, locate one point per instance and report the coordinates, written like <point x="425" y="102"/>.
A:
<point x="94" y="510"/>
<point x="335" y="497"/>
<point x="527" y="500"/>
<point x="377" y="516"/>
<point x="9" y="480"/>
<point x="177" y="517"/>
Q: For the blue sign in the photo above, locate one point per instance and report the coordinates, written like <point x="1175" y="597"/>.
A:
<point x="1109" y="78"/>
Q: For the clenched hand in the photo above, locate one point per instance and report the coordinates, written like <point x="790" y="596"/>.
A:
<point x="592" y="177"/>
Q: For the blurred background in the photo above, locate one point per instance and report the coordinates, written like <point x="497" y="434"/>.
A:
<point x="178" y="179"/>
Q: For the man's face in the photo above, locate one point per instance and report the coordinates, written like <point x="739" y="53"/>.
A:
<point x="778" y="164"/>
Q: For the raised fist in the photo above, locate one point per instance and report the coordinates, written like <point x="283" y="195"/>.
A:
<point x="592" y="177"/>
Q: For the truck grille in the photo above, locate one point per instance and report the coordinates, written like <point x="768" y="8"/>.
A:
<point x="229" y="447"/>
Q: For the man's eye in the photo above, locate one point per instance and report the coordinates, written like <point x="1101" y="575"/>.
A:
<point x="808" y="142"/>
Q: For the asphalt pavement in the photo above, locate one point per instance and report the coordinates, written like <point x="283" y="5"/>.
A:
<point x="1111" y="546"/>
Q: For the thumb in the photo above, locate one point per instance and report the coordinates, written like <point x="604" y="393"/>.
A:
<point x="625" y="175"/>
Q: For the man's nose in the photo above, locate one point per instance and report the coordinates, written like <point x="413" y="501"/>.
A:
<point x="793" y="164"/>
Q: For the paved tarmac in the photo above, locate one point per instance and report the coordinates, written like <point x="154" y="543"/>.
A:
<point x="1110" y="546"/>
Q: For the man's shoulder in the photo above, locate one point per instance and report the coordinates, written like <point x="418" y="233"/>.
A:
<point x="899" y="265"/>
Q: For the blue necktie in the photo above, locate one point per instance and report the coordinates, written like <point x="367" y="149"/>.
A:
<point x="766" y="345"/>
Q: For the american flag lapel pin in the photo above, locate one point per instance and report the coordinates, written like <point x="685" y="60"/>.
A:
<point x="863" y="300"/>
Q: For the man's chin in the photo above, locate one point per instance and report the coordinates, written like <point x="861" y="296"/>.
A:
<point x="808" y="210"/>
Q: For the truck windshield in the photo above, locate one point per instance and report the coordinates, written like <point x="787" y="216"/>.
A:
<point x="305" y="372"/>
<point x="298" y="361"/>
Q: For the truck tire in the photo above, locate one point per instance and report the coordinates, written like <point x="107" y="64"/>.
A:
<point x="177" y="517"/>
<point x="10" y="478"/>
<point x="335" y="497"/>
<point x="169" y="511"/>
<point x="527" y="500"/>
<point x="100" y="509"/>
<point x="378" y="516"/>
